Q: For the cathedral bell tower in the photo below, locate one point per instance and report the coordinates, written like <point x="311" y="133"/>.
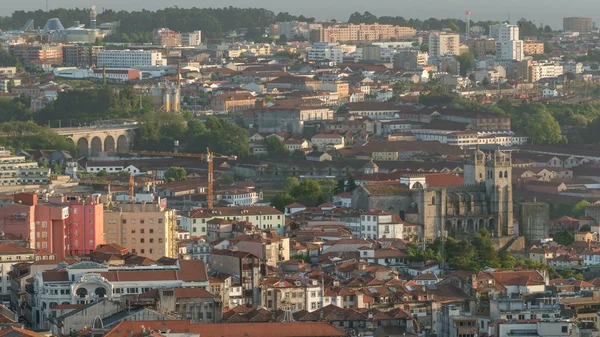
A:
<point x="474" y="168"/>
<point x="498" y="186"/>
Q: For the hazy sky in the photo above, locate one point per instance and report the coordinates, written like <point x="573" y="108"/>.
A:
<point x="540" y="11"/>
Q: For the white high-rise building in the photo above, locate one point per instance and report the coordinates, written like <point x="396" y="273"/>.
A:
<point x="508" y="45"/>
<point x="192" y="39"/>
<point x="130" y="59"/>
<point x="326" y="51"/>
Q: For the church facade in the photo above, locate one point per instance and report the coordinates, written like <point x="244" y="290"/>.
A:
<point x="484" y="200"/>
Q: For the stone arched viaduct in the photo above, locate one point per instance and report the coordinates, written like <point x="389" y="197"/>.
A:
<point x="93" y="141"/>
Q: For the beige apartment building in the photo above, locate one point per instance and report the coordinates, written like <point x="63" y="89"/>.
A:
<point x="443" y="43"/>
<point x="533" y="47"/>
<point x="270" y="248"/>
<point x="362" y="32"/>
<point x="264" y="217"/>
<point x="149" y="230"/>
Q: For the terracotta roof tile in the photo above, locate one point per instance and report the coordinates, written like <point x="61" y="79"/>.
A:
<point x="288" y="329"/>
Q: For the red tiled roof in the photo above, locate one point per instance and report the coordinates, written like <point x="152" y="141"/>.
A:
<point x="288" y="329"/>
<point x="11" y="248"/>
<point x="192" y="293"/>
<point x="55" y="276"/>
<point x="443" y="179"/>
<point x="18" y="332"/>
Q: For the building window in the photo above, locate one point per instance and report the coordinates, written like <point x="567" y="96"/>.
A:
<point x="142" y="231"/>
<point x="141" y="240"/>
<point x="160" y="240"/>
<point x="133" y="231"/>
<point x="151" y="231"/>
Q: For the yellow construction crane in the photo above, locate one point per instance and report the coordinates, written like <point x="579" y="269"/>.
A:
<point x="130" y="184"/>
<point x="208" y="157"/>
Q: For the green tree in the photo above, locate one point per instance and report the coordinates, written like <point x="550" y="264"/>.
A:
<point x="281" y="200"/>
<point x="328" y="189"/>
<point x="102" y="173"/>
<point x="341" y="186"/>
<point x="351" y="184"/>
<point x="227" y="179"/>
<point x="465" y="61"/>
<point x="485" y="82"/>
<point x="542" y="128"/>
<point x="275" y="147"/>
<point x="56" y="169"/>
<point x="579" y="208"/>
<point x="307" y="192"/>
<point x="585" y="228"/>
<point x="298" y="153"/>
<point x="563" y="238"/>
<point x="568" y="273"/>
<point x="282" y="40"/>
<point x="507" y="261"/>
<point x="175" y="174"/>
<point x="291" y="183"/>
<point x="343" y="109"/>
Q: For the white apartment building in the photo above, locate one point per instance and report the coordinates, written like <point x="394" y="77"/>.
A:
<point x="192" y="39"/>
<point x="11" y="254"/>
<point x="195" y="249"/>
<point x="326" y="51"/>
<point x="469" y="139"/>
<point x="545" y="69"/>
<point x="245" y="197"/>
<point x="543" y="328"/>
<point x="130" y="59"/>
<point x="508" y="45"/>
<point x="380" y="225"/>
<point x="443" y="43"/>
<point x="16" y="170"/>
<point x="264" y="217"/>
<point x="87" y="281"/>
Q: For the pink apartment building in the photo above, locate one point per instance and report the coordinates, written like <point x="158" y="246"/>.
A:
<point x="62" y="226"/>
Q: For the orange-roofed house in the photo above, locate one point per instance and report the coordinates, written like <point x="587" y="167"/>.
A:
<point x="521" y="282"/>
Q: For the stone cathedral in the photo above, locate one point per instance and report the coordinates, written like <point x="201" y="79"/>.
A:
<point x="483" y="201"/>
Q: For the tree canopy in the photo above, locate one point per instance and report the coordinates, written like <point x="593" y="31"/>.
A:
<point x="28" y="135"/>
<point x="107" y="102"/>
<point x="175" y="174"/>
<point x="160" y="133"/>
<point x="275" y="147"/>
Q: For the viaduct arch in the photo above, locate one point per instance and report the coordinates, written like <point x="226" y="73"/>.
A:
<point x="93" y="141"/>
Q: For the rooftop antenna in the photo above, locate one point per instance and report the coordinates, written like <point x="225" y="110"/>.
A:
<point x="46" y="5"/>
